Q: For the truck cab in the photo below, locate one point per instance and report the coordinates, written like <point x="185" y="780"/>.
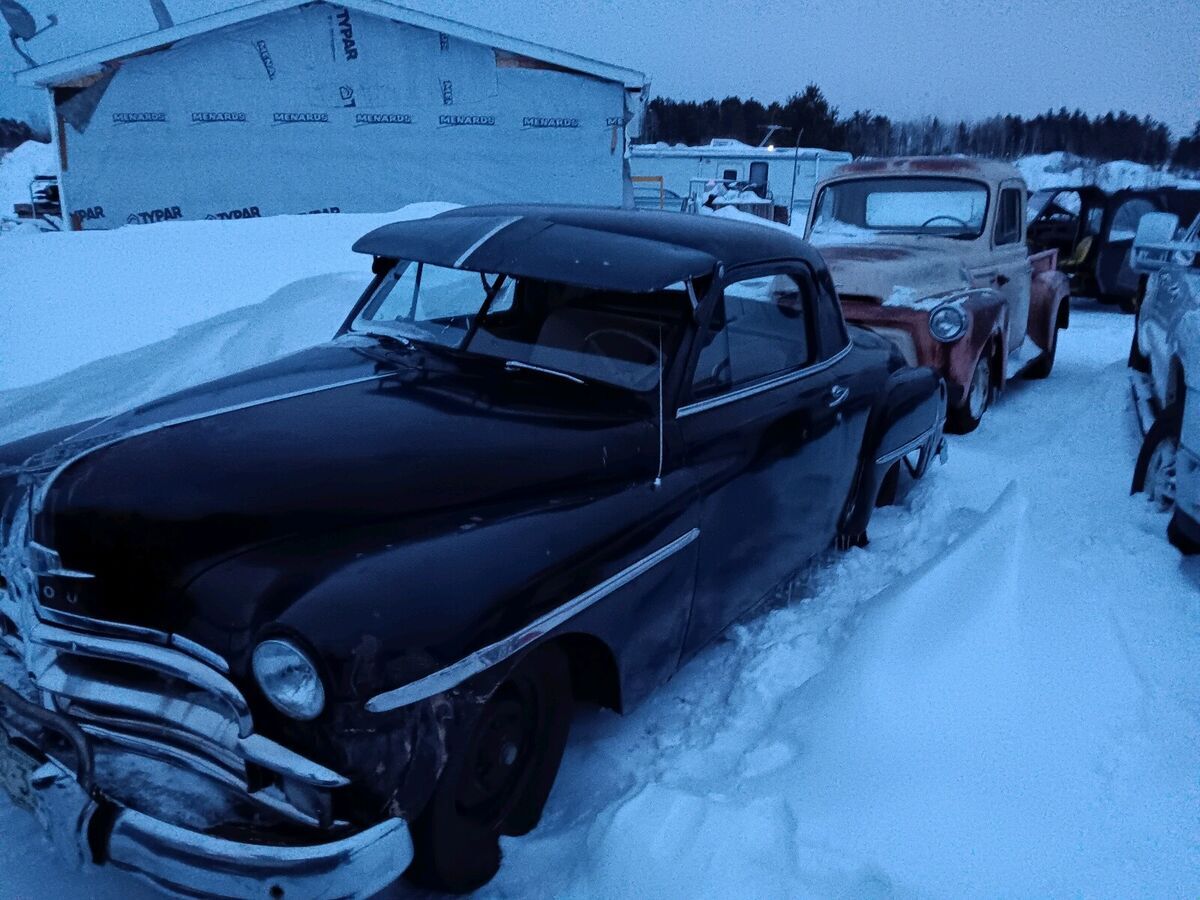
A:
<point x="931" y="252"/>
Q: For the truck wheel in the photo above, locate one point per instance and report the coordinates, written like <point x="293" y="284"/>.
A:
<point x="498" y="778"/>
<point x="966" y="417"/>
<point x="1154" y="474"/>
<point x="1044" y="364"/>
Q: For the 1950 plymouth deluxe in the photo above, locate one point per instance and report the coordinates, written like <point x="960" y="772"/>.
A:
<point x="299" y="630"/>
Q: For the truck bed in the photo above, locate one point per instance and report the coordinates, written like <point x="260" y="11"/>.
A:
<point x="1044" y="260"/>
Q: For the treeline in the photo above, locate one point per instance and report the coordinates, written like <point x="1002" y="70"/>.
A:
<point x="809" y="117"/>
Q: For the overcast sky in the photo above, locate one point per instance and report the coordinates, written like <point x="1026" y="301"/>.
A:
<point x="968" y="58"/>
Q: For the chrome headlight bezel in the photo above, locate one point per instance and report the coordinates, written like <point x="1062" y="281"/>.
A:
<point x="289" y="679"/>
<point x="952" y="316"/>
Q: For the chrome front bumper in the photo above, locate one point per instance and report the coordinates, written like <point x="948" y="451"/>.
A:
<point x="88" y="829"/>
<point x="81" y="707"/>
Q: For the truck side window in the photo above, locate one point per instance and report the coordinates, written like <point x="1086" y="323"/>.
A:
<point x="761" y="327"/>
<point x="1008" y="217"/>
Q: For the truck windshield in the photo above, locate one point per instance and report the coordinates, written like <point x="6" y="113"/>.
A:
<point x="945" y="207"/>
<point x="588" y="334"/>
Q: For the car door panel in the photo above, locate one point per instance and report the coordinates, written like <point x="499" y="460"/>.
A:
<point x="773" y="463"/>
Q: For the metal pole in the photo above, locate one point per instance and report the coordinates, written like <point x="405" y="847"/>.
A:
<point x="795" y="166"/>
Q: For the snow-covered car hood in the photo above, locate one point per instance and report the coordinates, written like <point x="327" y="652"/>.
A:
<point x="894" y="272"/>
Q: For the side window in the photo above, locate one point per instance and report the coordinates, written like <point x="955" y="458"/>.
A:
<point x="761" y="327"/>
<point x="1008" y="217"/>
<point x="1125" y="220"/>
<point x="758" y="178"/>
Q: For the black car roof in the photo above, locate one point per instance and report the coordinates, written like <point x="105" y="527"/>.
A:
<point x="612" y="249"/>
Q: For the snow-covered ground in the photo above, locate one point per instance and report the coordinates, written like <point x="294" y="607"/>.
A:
<point x="152" y="309"/>
<point x="998" y="697"/>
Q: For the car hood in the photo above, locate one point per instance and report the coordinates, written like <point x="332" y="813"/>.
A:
<point x="895" y="272"/>
<point x="329" y="439"/>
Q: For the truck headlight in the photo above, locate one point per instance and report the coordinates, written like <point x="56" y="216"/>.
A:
<point x="947" y="323"/>
<point x="289" y="679"/>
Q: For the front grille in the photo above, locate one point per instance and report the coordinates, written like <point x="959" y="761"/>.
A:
<point x="137" y="695"/>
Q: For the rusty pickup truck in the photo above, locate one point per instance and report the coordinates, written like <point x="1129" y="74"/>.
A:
<point x="931" y="253"/>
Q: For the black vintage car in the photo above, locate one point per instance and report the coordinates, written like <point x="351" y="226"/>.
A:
<point x="1092" y="230"/>
<point x="295" y="631"/>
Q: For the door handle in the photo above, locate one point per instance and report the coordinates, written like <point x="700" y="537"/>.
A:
<point x="838" y="395"/>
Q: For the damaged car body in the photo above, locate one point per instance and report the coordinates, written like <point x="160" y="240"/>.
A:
<point x="301" y="629"/>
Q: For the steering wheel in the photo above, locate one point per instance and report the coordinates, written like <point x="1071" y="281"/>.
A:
<point x="593" y="339"/>
<point x="954" y="219"/>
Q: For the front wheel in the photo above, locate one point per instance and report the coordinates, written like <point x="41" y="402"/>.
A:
<point x="966" y="417"/>
<point x="1154" y="474"/>
<point x="497" y="779"/>
<point x="1044" y="364"/>
<point x="1180" y="539"/>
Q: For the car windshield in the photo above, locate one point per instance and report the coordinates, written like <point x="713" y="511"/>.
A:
<point x="945" y="207"/>
<point x="579" y="333"/>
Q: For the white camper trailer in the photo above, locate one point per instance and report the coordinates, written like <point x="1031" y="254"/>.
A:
<point x="789" y="174"/>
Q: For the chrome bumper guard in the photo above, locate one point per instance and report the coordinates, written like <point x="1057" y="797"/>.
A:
<point x="86" y="828"/>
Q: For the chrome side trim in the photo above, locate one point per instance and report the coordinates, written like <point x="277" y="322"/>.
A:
<point x="39" y="496"/>
<point x="483" y="240"/>
<point x="757" y="388"/>
<point x="914" y="444"/>
<point x="486" y="657"/>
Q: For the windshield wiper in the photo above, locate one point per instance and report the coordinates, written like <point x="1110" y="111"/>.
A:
<point x="515" y="365"/>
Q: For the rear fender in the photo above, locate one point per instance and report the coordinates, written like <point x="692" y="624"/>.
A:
<point x="909" y="416"/>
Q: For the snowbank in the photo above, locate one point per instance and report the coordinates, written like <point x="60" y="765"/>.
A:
<point x="1050" y="170"/>
<point x="17" y="169"/>
<point x="259" y="288"/>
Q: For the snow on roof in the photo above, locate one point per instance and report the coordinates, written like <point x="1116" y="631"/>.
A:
<point x="92" y="61"/>
<point x="965" y="166"/>
<point x="728" y="148"/>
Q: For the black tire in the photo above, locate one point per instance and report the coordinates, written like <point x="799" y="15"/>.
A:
<point x="1138" y="361"/>
<point x="1166" y="429"/>
<point x="889" y="488"/>
<point x="498" y="777"/>
<point x="963" y="419"/>
<point x="1044" y="364"/>
<point x="1179" y="540"/>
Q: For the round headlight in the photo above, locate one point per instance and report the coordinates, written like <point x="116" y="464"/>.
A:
<point x="289" y="679"/>
<point x="948" y="323"/>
